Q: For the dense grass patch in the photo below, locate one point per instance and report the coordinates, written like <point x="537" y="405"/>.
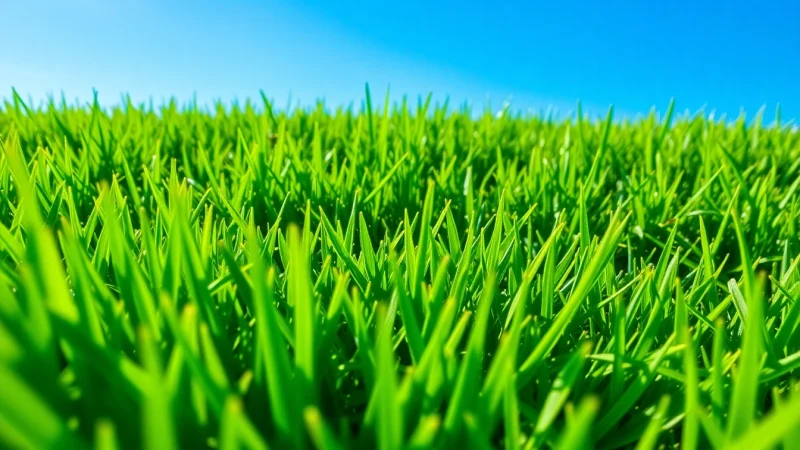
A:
<point x="402" y="278"/>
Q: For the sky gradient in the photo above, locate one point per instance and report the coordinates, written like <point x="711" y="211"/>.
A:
<point x="715" y="55"/>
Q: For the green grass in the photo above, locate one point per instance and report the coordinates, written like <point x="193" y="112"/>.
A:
<point x="396" y="277"/>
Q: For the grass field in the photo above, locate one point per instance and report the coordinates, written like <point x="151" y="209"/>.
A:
<point x="403" y="277"/>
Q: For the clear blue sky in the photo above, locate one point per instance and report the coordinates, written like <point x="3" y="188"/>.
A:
<point x="723" y="55"/>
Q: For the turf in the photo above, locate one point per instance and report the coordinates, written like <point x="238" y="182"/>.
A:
<point x="411" y="276"/>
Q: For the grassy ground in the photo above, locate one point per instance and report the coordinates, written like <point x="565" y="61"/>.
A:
<point x="401" y="278"/>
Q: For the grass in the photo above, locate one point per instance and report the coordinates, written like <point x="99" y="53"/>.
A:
<point x="404" y="277"/>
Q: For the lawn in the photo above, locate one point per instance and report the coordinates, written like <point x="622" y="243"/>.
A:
<point x="408" y="276"/>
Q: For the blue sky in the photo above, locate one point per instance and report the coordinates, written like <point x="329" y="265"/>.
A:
<point x="722" y="55"/>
